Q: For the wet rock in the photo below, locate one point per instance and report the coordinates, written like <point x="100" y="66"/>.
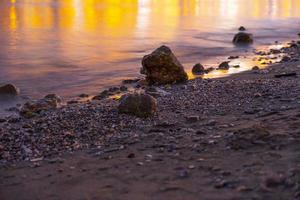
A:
<point x="8" y="89"/>
<point x="162" y="67"/>
<point x="242" y="28"/>
<point x="224" y="65"/>
<point x="275" y="51"/>
<point x="130" y="81"/>
<point x="243" y="38"/>
<point x="50" y="101"/>
<point x="285" y="59"/>
<point x="123" y="88"/>
<point x="236" y="66"/>
<point x="233" y="57"/>
<point x="198" y="69"/>
<point x="285" y="74"/>
<point x="210" y="69"/>
<point x="83" y="95"/>
<point x="140" y="105"/>
<point x="255" y="68"/>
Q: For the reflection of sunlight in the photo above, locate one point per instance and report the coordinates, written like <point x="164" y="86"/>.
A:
<point x="13" y="18"/>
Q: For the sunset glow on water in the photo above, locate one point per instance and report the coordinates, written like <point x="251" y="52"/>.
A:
<point x="73" y="46"/>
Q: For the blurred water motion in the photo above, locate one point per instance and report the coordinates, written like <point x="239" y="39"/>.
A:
<point x="74" y="46"/>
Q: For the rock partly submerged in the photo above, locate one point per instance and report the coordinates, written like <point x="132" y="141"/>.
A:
<point x="9" y="89"/>
<point x="162" y="67"/>
<point x="243" y="38"/>
<point x="32" y="108"/>
<point x="198" y="69"/>
<point x="140" y="105"/>
<point x="224" y="65"/>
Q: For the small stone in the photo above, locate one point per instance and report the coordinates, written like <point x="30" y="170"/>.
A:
<point x="83" y="95"/>
<point x="131" y="155"/>
<point x="242" y="28"/>
<point x="236" y="66"/>
<point x="255" y="68"/>
<point x="198" y="69"/>
<point x="233" y="57"/>
<point x="123" y="88"/>
<point x="192" y="119"/>
<point x="224" y="65"/>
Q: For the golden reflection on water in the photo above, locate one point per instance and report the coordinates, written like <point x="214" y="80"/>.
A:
<point x="114" y="25"/>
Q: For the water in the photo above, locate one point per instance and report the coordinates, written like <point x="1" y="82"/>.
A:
<point x="71" y="47"/>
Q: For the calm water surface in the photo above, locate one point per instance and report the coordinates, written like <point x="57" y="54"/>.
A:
<point x="70" y="47"/>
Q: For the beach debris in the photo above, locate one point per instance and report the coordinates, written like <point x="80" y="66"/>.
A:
<point x="140" y="105"/>
<point x="285" y="74"/>
<point x="162" y="67"/>
<point x="9" y="89"/>
<point x="243" y="38"/>
<point x="198" y="69"/>
<point x="224" y="65"/>
<point x="50" y="101"/>
<point x="242" y="28"/>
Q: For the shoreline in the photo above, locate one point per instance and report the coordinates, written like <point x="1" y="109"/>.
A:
<point x="236" y="137"/>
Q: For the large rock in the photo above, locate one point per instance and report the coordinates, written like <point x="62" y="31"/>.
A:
<point x="162" y="67"/>
<point x="243" y="38"/>
<point x="8" y="89"/>
<point x="32" y="108"/>
<point x="140" y="105"/>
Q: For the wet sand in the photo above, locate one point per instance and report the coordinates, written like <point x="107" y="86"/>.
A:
<point x="230" y="138"/>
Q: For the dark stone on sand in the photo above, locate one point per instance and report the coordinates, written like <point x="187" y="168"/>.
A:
<point x="242" y="28"/>
<point x="285" y="59"/>
<point x="83" y="95"/>
<point x="130" y="81"/>
<point x="198" y="69"/>
<point x="162" y="67"/>
<point x="210" y="69"/>
<point x="255" y="68"/>
<point x="9" y="89"/>
<point x="224" y="65"/>
<point x="236" y="66"/>
<point x="140" y="105"/>
<point x="50" y="101"/>
<point x="275" y="51"/>
<point x="243" y="38"/>
<point x="233" y="57"/>
<point x="285" y="74"/>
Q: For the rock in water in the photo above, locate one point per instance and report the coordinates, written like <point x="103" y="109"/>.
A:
<point x="198" y="69"/>
<point x="242" y="28"/>
<point x="162" y="67"/>
<point x="224" y="65"/>
<point x="243" y="38"/>
<point x="140" y="105"/>
<point x="9" y="89"/>
<point x="50" y="101"/>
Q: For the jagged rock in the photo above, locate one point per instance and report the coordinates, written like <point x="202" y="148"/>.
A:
<point x="243" y="38"/>
<point x="8" y="89"/>
<point x="140" y="105"/>
<point x="162" y="67"/>
<point x="50" y="101"/>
